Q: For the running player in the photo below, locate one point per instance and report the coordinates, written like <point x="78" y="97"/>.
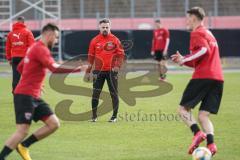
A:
<point x="27" y="102"/>
<point x="206" y="85"/>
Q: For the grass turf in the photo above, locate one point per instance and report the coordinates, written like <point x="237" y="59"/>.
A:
<point x="129" y="138"/>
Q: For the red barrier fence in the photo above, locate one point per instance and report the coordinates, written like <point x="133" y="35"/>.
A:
<point x="223" y="22"/>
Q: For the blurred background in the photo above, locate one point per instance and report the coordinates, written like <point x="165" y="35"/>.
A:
<point x="132" y="22"/>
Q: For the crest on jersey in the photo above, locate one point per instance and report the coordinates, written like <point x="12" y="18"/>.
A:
<point x="109" y="46"/>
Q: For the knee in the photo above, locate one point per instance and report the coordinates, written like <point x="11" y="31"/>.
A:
<point x="202" y="117"/>
<point x="114" y="96"/>
<point x="23" y="132"/>
<point x="96" y="94"/>
<point x="181" y="110"/>
<point x="54" y="125"/>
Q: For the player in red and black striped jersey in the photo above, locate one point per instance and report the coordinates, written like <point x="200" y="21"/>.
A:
<point x="206" y="85"/>
<point x="27" y="102"/>
<point x="160" y="43"/>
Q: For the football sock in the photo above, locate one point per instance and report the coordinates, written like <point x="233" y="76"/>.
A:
<point x="29" y="141"/>
<point x="195" y="129"/>
<point x="210" y="139"/>
<point x="5" y="152"/>
<point x="163" y="76"/>
<point x="94" y="107"/>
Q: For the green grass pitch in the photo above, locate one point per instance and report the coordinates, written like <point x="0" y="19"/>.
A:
<point x="128" y="139"/>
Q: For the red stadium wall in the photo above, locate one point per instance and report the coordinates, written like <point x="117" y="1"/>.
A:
<point x="228" y="22"/>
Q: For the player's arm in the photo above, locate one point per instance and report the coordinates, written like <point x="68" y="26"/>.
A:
<point x="30" y="39"/>
<point x="91" y="56"/>
<point x="120" y="54"/>
<point x="199" y="50"/>
<point x="190" y="59"/>
<point x="58" y="68"/>
<point x="153" y="45"/>
<point x="8" y="48"/>
<point x="47" y="60"/>
<point x="167" y="42"/>
<point x="20" y="66"/>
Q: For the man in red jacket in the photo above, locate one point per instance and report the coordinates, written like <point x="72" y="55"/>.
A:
<point x="18" y="41"/>
<point x="160" y="43"/>
<point x="27" y="96"/>
<point x="105" y="55"/>
<point x="206" y="85"/>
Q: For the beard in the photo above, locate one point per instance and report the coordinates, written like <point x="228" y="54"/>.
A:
<point x="104" y="33"/>
<point x="189" y="28"/>
<point x="50" y="45"/>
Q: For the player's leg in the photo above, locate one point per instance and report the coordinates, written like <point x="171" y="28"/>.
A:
<point x="210" y="104"/>
<point x="51" y="125"/>
<point x="14" y="140"/>
<point x="42" y="112"/>
<point x="161" y="63"/>
<point x="193" y="94"/>
<point x="24" y="113"/>
<point x="207" y="126"/>
<point x="159" y="69"/>
<point x="112" y="81"/>
<point x="98" y="82"/>
<point x="163" y="69"/>
<point x="191" y="97"/>
<point x="15" y="74"/>
<point x="188" y="118"/>
<point x="157" y="57"/>
<point x="205" y="122"/>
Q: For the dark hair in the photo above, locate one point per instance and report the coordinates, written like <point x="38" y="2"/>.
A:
<point x="50" y="27"/>
<point x="157" y="21"/>
<point x="20" y="19"/>
<point x="198" y="12"/>
<point x="104" y="20"/>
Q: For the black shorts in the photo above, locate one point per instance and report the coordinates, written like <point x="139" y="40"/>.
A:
<point x="28" y="108"/>
<point x="158" y="56"/>
<point x="207" y="91"/>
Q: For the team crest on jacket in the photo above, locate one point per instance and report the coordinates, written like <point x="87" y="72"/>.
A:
<point x="109" y="46"/>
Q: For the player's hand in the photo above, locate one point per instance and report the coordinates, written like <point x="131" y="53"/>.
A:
<point x="10" y="63"/>
<point x="87" y="77"/>
<point x="177" y="58"/>
<point x="165" y="53"/>
<point x="165" y="57"/>
<point x="115" y="69"/>
<point x="42" y="90"/>
<point x="84" y="68"/>
<point x="152" y="53"/>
